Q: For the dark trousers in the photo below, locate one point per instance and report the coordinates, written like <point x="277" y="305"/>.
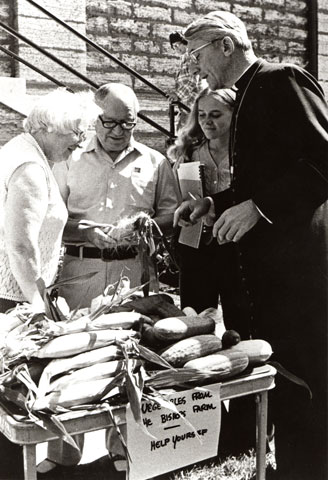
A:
<point x="210" y="273"/>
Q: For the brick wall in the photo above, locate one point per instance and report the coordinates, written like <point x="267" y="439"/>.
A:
<point x="54" y="38"/>
<point x="136" y="32"/>
<point x="7" y="41"/>
<point x="323" y="44"/>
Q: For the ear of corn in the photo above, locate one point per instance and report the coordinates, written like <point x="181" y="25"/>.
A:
<point x="119" y="320"/>
<point x="8" y="323"/>
<point x="79" y="393"/>
<point x="94" y="372"/>
<point x="64" y="365"/>
<point x="68" y="345"/>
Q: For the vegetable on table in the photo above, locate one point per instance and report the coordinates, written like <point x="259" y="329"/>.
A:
<point x="191" y="348"/>
<point x="177" y="328"/>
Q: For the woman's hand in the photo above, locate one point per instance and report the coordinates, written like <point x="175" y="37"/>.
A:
<point x="173" y="97"/>
<point x="191" y="211"/>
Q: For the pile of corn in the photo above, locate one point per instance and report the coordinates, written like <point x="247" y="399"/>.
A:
<point x="88" y="356"/>
<point x="114" y="355"/>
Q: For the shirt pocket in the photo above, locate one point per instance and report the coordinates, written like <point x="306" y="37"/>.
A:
<point x="142" y="190"/>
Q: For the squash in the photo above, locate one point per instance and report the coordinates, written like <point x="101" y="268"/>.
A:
<point x="190" y="348"/>
<point x="223" y="364"/>
<point x="177" y="328"/>
<point x="258" y="351"/>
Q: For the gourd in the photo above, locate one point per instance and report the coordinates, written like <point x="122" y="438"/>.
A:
<point x="190" y="348"/>
<point x="177" y="328"/>
<point x="223" y="364"/>
<point x="258" y="351"/>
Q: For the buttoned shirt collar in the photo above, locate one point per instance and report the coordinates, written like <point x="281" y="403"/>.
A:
<point x="94" y="145"/>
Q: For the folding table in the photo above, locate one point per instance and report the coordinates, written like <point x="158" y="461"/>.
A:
<point x="20" y="430"/>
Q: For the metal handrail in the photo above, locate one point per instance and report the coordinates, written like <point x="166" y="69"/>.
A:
<point x="28" y="64"/>
<point x="16" y="34"/>
<point x="74" y="72"/>
<point x="104" y="52"/>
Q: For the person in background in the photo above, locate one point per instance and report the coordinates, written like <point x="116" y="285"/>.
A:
<point x="33" y="214"/>
<point x="187" y="83"/>
<point x="113" y="177"/>
<point x="205" y="138"/>
<point x="275" y="213"/>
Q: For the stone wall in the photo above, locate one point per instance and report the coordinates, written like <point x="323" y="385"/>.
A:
<point x="136" y="32"/>
<point x="6" y="40"/>
<point x="323" y="44"/>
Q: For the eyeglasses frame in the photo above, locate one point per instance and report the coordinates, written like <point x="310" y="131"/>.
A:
<point x="120" y="123"/>
<point x="192" y="54"/>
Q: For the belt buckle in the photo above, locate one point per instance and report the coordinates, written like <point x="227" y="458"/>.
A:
<point x="105" y="254"/>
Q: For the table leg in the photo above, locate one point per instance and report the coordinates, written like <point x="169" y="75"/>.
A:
<point x="261" y="433"/>
<point x="29" y="454"/>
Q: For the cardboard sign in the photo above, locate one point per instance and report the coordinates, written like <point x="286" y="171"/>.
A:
<point x="174" y="443"/>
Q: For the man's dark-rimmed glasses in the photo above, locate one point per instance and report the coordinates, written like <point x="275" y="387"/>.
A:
<point x="110" y="124"/>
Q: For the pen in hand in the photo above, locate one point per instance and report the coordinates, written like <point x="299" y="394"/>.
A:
<point x="192" y="196"/>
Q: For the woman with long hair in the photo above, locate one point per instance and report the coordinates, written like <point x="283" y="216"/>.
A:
<point x="204" y="273"/>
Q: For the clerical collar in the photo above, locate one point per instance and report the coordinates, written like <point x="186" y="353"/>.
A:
<point x="243" y="81"/>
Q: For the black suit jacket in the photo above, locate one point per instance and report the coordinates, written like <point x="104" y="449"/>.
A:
<point x="280" y="157"/>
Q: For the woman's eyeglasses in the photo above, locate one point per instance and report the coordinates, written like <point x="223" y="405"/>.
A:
<point x="110" y="124"/>
<point x="80" y="134"/>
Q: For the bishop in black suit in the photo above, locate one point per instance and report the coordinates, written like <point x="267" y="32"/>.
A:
<point x="275" y="213"/>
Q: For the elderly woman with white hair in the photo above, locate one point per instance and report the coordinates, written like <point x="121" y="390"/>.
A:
<point x="205" y="138"/>
<point x="33" y="214"/>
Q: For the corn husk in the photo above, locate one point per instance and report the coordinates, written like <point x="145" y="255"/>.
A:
<point x="180" y="377"/>
<point x="23" y="341"/>
<point x="8" y="323"/>
<point x="62" y="365"/>
<point x="79" y="393"/>
<point x="72" y="344"/>
<point x="119" y="320"/>
<point x="93" y="372"/>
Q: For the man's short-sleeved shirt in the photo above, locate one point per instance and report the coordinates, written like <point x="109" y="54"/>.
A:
<point x="97" y="188"/>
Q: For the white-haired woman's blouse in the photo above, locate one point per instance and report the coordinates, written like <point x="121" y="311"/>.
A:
<point x="18" y="151"/>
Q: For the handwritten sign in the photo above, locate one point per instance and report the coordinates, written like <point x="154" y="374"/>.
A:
<point x="174" y="443"/>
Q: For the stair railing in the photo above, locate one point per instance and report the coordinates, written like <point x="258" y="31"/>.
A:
<point x="33" y="67"/>
<point x="72" y="70"/>
<point x="116" y="60"/>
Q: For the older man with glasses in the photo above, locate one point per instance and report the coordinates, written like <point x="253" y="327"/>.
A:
<point x="276" y="214"/>
<point x="112" y="178"/>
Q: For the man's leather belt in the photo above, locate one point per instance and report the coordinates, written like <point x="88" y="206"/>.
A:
<point x="107" y="254"/>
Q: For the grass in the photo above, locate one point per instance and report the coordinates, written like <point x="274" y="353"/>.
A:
<point x="233" y="468"/>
